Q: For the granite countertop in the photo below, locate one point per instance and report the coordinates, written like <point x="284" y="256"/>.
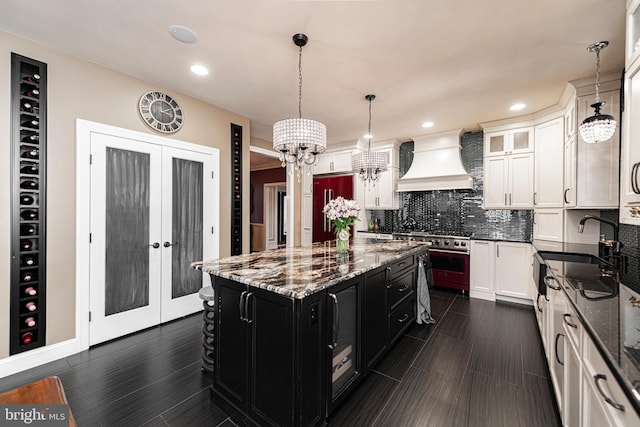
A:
<point x="301" y="271"/>
<point x="600" y="298"/>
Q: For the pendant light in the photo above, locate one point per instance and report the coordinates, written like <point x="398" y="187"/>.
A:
<point x="299" y="140"/>
<point x="599" y="127"/>
<point x="369" y="164"/>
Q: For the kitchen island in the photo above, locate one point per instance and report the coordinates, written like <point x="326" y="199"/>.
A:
<point x="296" y="329"/>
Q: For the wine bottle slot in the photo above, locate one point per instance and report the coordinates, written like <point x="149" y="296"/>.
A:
<point x="26" y="245"/>
<point x="30" y="321"/>
<point x="32" y="78"/>
<point x="31" y="123"/>
<point x="30" y="154"/>
<point x="27" y="276"/>
<point x="31" y="92"/>
<point x="27" y="261"/>
<point x="30" y="291"/>
<point x="30" y="138"/>
<point x="26" y="338"/>
<point x="31" y="306"/>
<point x="28" y="107"/>
<point x="28" y="230"/>
<point x="29" y="184"/>
<point x="29" y="214"/>
<point x="26" y="199"/>
<point x="29" y="168"/>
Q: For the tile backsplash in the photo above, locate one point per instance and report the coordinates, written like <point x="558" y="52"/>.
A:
<point x="457" y="210"/>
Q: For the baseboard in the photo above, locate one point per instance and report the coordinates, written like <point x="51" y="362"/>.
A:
<point x="39" y="356"/>
<point x="488" y="296"/>
<point x="522" y="301"/>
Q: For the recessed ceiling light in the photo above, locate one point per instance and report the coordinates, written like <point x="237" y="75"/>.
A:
<point x="367" y="136"/>
<point x="427" y="125"/>
<point x="200" y="70"/>
<point x="516" y="107"/>
<point x="182" y="34"/>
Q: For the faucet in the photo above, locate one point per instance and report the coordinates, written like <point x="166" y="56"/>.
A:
<point x="616" y="242"/>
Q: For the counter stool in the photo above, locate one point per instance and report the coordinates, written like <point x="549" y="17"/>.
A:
<point x="208" y="316"/>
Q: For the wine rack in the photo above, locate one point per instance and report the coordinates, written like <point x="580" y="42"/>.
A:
<point x="236" y="189"/>
<point x="28" y="203"/>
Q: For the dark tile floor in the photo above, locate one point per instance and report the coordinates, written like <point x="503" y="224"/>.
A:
<point x="481" y="364"/>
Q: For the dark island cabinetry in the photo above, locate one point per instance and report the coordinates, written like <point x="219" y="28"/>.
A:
<point x="285" y="357"/>
<point x="268" y="351"/>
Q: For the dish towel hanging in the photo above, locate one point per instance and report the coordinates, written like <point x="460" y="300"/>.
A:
<point x="423" y="312"/>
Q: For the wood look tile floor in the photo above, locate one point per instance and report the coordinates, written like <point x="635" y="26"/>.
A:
<point x="480" y="364"/>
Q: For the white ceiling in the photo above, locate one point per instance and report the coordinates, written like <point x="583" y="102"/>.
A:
<point x="454" y="62"/>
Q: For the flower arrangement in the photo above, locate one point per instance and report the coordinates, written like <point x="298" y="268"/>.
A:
<point x="343" y="213"/>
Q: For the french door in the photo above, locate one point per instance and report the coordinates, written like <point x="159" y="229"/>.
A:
<point x="151" y="216"/>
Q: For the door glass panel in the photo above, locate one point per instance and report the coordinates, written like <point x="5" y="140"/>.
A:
<point x="496" y="143"/>
<point x="186" y="227"/>
<point x="126" y="230"/>
<point x="521" y="140"/>
<point x="344" y="356"/>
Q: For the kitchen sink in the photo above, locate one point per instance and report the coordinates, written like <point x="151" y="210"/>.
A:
<point x="593" y="277"/>
<point x="572" y="257"/>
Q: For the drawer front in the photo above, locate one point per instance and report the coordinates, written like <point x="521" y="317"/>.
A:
<point x="601" y="378"/>
<point x="572" y="326"/>
<point x="401" y="286"/>
<point x="402" y="264"/>
<point x="401" y="318"/>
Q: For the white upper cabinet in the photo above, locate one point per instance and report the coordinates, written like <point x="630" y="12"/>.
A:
<point x="508" y="169"/>
<point x="597" y="165"/>
<point x="633" y="32"/>
<point x="334" y="162"/>
<point x="630" y="151"/>
<point x="508" y="142"/>
<point x="383" y="194"/>
<point x="549" y="150"/>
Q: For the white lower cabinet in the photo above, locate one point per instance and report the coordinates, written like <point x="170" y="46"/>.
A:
<point x="513" y="270"/>
<point x="548" y="224"/>
<point x="572" y="380"/>
<point x="482" y="271"/>
<point x="501" y="268"/>
<point x="604" y="403"/>
<point x="587" y="393"/>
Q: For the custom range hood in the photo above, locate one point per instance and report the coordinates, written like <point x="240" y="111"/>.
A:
<point x="436" y="165"/>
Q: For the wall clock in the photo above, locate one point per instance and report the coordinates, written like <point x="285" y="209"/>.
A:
<point x="160" y="112"/>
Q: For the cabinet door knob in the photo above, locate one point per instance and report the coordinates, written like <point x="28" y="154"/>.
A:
<point x="154" y="245"/>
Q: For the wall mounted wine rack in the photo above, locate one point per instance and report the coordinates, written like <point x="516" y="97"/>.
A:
<point x="28" y="203"/>
<point x="236" y="189"/>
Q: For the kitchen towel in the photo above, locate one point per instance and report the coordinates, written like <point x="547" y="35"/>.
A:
<point x="423" y="315"/>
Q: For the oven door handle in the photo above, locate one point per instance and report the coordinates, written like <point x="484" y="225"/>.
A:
<point x="444" y="251"/>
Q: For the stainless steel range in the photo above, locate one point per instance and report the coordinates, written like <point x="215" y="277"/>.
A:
<point x="449" y="253"/>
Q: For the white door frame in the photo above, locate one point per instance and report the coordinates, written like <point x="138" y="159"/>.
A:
<point x="270" y="213"/>
<point x="84" y="129"/>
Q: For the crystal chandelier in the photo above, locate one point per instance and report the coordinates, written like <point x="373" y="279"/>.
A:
<point x="299" y="140"/>
<point x="599" y="127"/>
<point x="369" y="164"/>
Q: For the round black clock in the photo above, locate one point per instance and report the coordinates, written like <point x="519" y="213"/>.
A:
<point x="160" y="112"/>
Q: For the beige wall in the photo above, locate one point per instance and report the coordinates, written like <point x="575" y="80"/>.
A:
<point x="79" y="89"/>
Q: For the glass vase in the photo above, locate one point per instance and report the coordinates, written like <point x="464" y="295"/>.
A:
<point x="342" y="240"/>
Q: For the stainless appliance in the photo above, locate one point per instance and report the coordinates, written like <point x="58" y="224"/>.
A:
<point x="449" y="253"/>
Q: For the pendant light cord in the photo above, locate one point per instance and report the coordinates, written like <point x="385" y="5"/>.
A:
<point x="598" y="74"/>
<point x="369" y="130"/>
<point x="300" y="83"/>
